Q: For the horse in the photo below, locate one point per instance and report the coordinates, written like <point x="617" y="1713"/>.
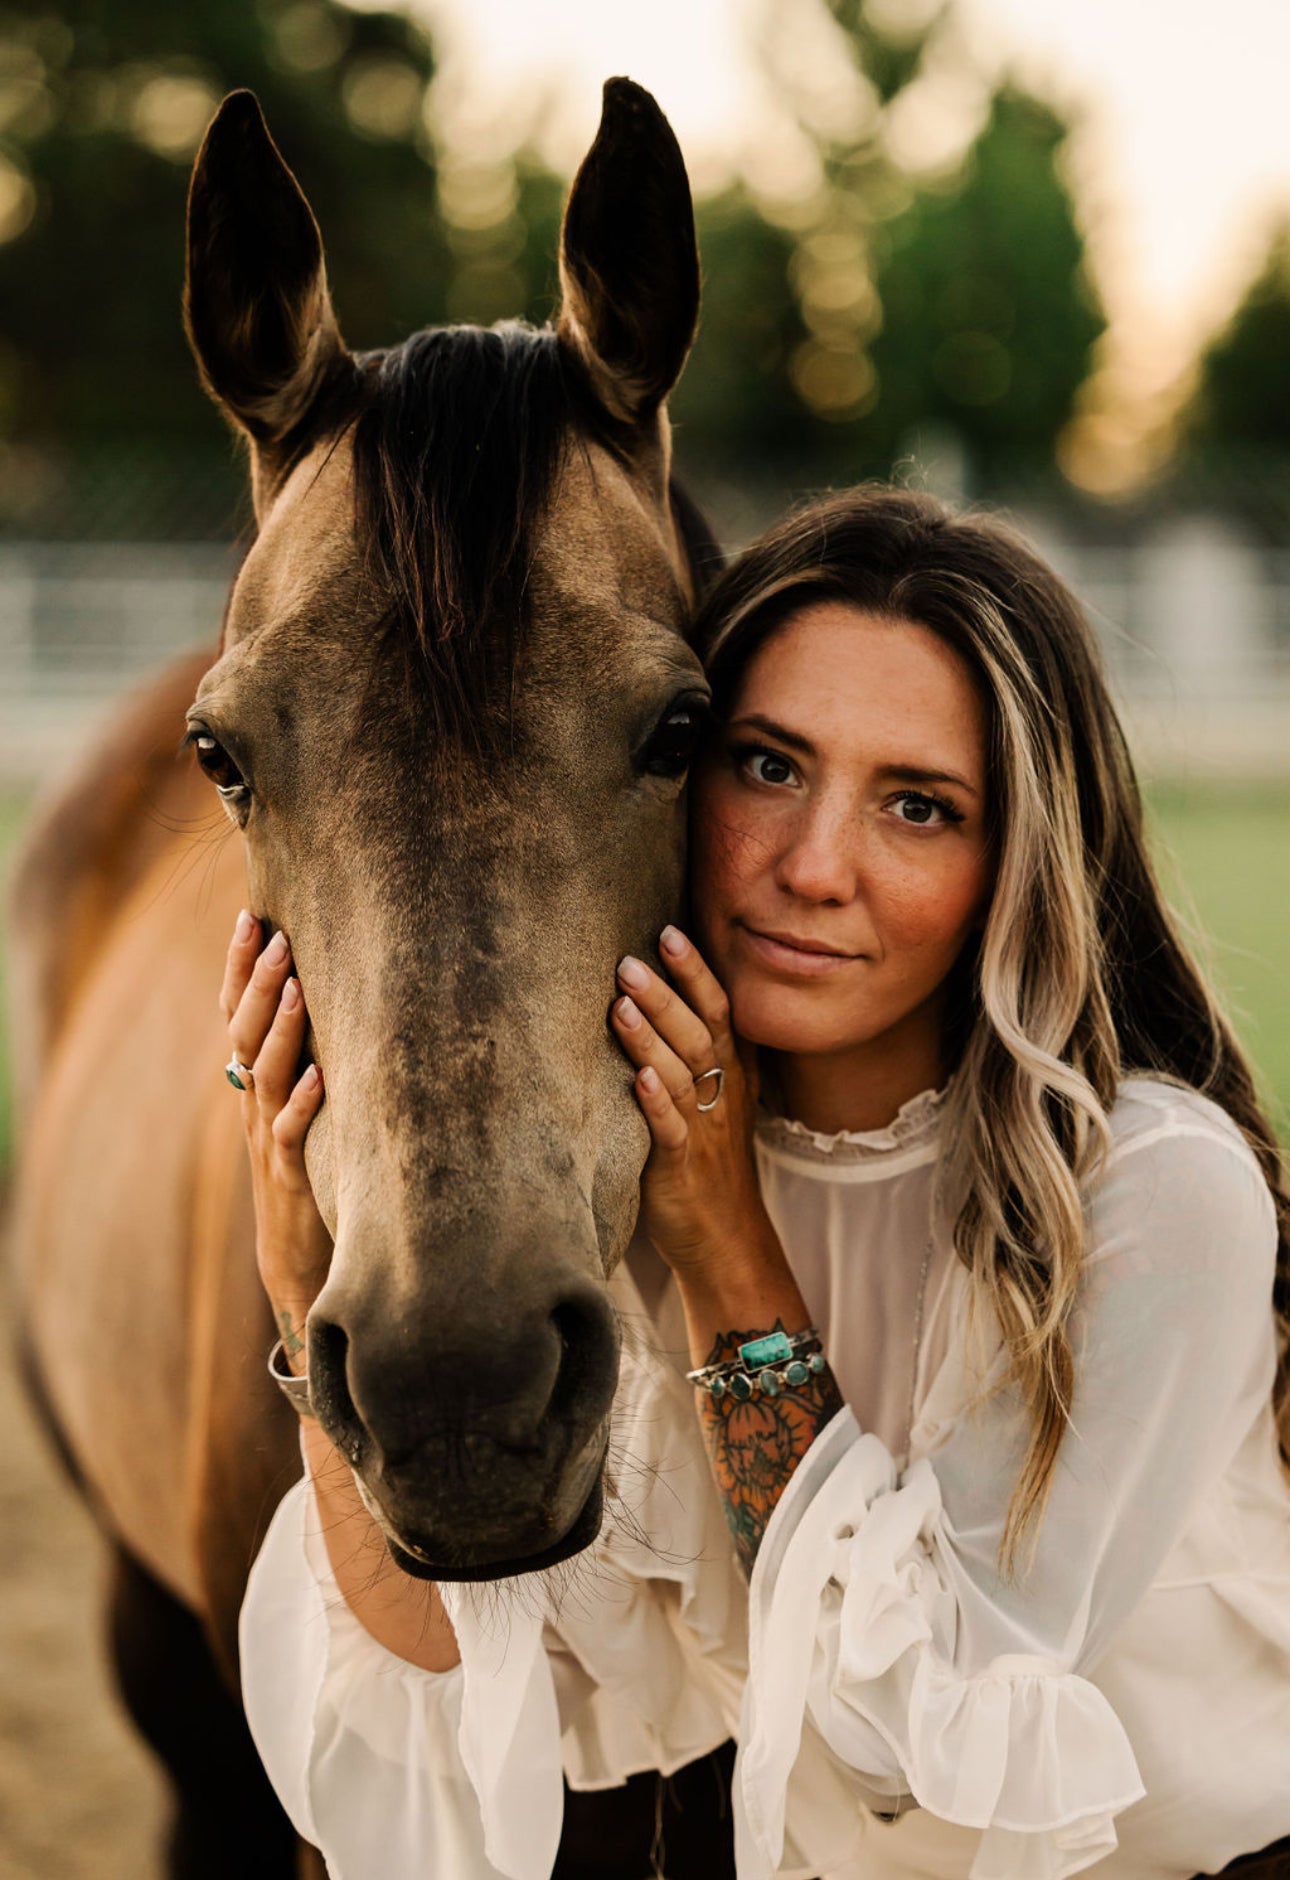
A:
<point x="447" y="730"/>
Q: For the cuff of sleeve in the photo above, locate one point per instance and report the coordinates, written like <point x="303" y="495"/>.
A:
<point x="379" y="1764"/>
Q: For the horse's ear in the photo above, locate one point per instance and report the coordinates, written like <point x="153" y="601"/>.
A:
<point x="629" y="264"/>
<point x="256" y="305"/>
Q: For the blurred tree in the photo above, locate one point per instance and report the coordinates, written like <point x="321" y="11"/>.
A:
<point x="1241" y="405"/>
<point x="989" y="317"/>
<point x="899" y="312"/>
<point x="102" y="105"/>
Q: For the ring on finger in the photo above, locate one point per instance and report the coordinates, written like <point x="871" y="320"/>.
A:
<point x="240" y="1075"/>
<point x="715" y="1077"/>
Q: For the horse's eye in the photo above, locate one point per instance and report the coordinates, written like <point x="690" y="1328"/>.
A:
<point x="670" y="747"/>
<point x="219" y="767"/>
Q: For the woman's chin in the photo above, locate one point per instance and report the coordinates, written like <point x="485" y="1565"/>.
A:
<point x="779" y="1019"/>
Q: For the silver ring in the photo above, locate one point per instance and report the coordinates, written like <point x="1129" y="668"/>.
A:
<point x="705" y="1077"/>
<point x="240" y="1075"/>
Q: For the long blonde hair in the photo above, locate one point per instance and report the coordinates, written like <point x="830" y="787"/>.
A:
<point x="1080" y="976"/>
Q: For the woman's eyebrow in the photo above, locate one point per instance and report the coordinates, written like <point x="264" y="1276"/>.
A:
<point x="914" y="773"/>
<point x="754" y="721"/>
<point x="895" y="773"/>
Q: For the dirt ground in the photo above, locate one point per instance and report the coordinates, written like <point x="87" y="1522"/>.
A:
<point x="79" y="1797"/>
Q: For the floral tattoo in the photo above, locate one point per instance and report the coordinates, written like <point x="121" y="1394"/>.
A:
<point x="756" y="1446"/>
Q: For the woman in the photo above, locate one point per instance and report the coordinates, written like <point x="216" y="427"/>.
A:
<point x="982" y="1308"/>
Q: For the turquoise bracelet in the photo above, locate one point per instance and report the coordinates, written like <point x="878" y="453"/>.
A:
<point x="769" y="1364"/>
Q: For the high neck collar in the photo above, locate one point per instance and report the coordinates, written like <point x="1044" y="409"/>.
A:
<point x="915" y="1122"/>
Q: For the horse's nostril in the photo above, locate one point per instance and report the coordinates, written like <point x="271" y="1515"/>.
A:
<point x="329" y="1387"/>
<point x="588" y="1358"/>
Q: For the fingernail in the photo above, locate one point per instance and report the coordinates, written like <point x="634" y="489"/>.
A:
<point x="673" y="941"/>
<point x="629" y="1013"/>
<point x="312" y="1077"/>
<point x="632" y="973"/>
<point x="649" y="1079"/>
<point x="291" y="995"/>
<point x="246" y="926"/>
<point x="277" y="949"/>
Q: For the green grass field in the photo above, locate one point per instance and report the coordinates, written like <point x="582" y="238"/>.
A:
<point x="1224" y="854"/>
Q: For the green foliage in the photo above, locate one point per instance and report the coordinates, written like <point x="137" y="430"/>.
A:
<point x="1242" y="401"/>
<point x="889" y="54"/>
<point x="101" y="107"/>
<point x="989" y="318"/>
<point x="736" y="404"/>
<point x="897" y="311"/>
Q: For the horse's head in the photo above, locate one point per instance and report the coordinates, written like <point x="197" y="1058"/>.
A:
<point x="452" y="718"/>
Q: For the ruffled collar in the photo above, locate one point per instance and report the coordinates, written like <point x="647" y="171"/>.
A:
<point x="915" y="1122"/>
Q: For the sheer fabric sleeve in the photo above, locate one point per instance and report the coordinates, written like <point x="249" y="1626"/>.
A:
<point x="384" y="1767"/>
<point x="881" y="1631"/>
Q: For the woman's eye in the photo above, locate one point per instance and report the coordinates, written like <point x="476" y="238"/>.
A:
<point x="768" y="767"/>
<point x="219" y="767"/>
<point x="671" y="746"/>
<point x="924" y="810"/>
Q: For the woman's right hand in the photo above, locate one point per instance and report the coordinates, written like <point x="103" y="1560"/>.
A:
<point x="265" y="1012"/>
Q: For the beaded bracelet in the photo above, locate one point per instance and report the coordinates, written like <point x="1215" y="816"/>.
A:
<point x="798" y="1356"/>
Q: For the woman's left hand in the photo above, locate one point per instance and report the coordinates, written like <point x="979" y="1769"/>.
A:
<point x="700" y="1202"/>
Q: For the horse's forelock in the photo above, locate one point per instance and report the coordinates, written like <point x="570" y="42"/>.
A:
<point x="457" y="443"/>
<point x="456" y="448"/>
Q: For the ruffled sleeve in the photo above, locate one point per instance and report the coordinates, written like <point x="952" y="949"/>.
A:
<point x="883" y="1638"/>
<point x="384" y="1767"/>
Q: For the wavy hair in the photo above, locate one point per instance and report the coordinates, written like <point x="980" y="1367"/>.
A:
<point x="1080" y="976"/>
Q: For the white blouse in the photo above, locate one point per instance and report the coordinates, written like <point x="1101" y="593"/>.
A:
<point x="901" y="1709"/>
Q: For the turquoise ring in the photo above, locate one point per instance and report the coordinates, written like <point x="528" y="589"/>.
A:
<point x="239" y="1075"/>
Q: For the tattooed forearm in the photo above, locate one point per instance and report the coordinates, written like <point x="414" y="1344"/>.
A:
<point x="756" y="1446"/>
<point x="292" y="1342"/>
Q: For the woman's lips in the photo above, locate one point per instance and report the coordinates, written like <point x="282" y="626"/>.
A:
<point x="804" y="960"/>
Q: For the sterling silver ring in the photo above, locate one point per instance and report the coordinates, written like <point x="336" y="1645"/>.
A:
<point x="706" y="1077"/>
<point x="239" y="1075"/>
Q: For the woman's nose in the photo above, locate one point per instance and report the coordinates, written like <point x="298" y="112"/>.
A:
<point x="822" y="860"/>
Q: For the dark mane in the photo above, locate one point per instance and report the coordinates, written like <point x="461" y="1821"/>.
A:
<point x="457" y="442"/>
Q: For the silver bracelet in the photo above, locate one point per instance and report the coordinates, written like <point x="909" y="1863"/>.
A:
<point x="769" y="1364"/>
<point x="294" y="1389"/>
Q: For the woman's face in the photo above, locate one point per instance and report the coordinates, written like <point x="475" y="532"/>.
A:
<point x="840" y="857"/>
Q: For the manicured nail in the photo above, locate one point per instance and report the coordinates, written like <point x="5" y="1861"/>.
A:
<point x="649" y="1079"/>
<point x="632" y="973"/>
<point x="277" y="949"/>
<point x="312" y="1078"/>
<point x="629" y="1013"/>
<point x="673" y="941"/>
<point x="291" y="995"/>
<point x="246" y="926"/>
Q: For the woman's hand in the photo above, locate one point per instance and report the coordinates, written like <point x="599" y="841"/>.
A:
<point x="265" y="1010"/>
<point x="700" y="1202"/>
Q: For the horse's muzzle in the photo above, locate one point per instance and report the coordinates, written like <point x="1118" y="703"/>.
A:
<point x="480" y="1454"/>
